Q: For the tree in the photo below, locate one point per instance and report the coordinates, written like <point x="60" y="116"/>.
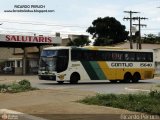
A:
<point x="107" y="31"/>
<point x="151" y="38"/>
<point x="80" y="41"/>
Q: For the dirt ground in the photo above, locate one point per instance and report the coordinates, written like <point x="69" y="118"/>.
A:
<point x="58" y="104"/>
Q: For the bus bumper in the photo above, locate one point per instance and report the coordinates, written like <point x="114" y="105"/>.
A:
<point x="47" y="77"/>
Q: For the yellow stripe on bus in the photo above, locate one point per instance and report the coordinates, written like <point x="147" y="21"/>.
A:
<point x="104" y="67"/>
<point x="118" y="73"/>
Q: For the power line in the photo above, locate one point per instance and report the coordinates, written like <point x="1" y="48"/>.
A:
<point x="10" y="30"/>
<point x="44" y="24"/>
<point x="23" y="29"/>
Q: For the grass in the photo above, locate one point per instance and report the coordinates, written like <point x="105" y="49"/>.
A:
<point x="21" y="86"/>
<point x="148" y="103"/>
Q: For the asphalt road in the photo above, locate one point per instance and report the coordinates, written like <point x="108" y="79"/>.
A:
<point x="100" y="87"/>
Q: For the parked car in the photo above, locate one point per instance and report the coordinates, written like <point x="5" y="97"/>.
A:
<point x="34" y="70"/>
<point x="7" y="70"/>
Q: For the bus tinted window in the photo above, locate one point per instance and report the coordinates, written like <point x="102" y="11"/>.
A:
<point x="95" y="55"/>
<point x="49" y="53"/>
<point x="129" y="56"/>
<point x="144" y="57"/>
<point x="117" y="56"/>
<point x="76" y="55"/>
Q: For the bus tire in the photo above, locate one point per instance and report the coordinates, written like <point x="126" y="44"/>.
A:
<point x="113" y="81"/>
<point x="127" y="78"/>
<point x="60" y="82"/>
<point x="75" y="77"/>
<point x="136" y="77"/>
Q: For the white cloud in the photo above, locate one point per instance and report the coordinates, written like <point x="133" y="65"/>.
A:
<point x="80" y="14"/>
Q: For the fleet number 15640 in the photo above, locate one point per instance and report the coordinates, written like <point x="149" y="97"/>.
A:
<point x="145" y="65"/>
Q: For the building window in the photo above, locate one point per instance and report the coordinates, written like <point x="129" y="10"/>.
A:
<point x="18" y="63"/>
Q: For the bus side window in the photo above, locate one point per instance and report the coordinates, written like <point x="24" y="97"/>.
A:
<point x="62" y="62"/>
<point x="129" y="56"/>
<point x="126" y="56"/>
<point x="141" y="57"/>
<point x="76" y="55"/>
<point x="150" y="57"/>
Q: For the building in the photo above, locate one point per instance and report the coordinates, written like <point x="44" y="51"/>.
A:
<point x="12" y="58"/>
<point x="19" y="54"/>
<point x="72" y="37"/>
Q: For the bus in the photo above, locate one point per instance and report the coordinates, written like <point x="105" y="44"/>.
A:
<point x="73" y="64"/>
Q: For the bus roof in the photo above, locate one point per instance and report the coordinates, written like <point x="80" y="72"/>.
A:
<point x="57" y="47"/>
<point x="97" y="48"/>
<point x="102" y="47"/>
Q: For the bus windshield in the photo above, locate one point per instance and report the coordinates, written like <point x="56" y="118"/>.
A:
<point x="48" y="64"/>
<point x="54" y="60"/>
<point x="49" y="53"/>
<point x="48" y="60"/>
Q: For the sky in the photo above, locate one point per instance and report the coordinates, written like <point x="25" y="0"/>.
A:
<point x="74" y="16"/>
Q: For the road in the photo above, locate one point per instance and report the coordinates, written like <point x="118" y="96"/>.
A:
<point x="99" y="87"/>
<point x="60" y="98"/>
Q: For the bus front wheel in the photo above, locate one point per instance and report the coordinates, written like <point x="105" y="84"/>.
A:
<point x="60" y="82"/>
<point x="75" y="77"/>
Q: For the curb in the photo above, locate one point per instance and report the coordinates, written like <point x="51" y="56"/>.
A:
<point x="143" y="90"/>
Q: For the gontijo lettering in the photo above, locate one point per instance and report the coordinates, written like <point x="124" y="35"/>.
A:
<point x="122" y="64"/>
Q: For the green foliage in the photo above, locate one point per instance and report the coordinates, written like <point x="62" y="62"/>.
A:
<point x="81" y="41"/>
<point x="148" y="103"/>
<point x="102" y="41"/>
<point x="25" y="83"/>
<point x="151" y="38"/>
<point x="21" y="86"/>
<point x="155" y="94"/>
<point x="107" y="31"/>
<point x="3" y="88"/>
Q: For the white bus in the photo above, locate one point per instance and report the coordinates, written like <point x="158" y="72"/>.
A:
<point x="72" y="64"/>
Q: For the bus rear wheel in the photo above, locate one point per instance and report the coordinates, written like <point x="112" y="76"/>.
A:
<point x="113" y="81"/>
<point x="136" y="77"/>
<point x="75" y="77"/>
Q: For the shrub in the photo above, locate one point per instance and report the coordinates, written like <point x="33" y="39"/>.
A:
<point x="25" y="83"/>
<point x="21" y="86"/>
<point x="3" y="88"/>
<point x="148" y="102"/>
<point x="154" y="94"/>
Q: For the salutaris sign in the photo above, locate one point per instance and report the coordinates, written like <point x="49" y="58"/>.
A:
<point x="30" y="39"/>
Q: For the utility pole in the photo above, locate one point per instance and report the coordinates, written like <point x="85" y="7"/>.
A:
<point x="139" y="43"/>
<point x="130" y="18"/>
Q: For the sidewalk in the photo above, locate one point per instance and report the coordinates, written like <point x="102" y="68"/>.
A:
<point x="14" y="115"/>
